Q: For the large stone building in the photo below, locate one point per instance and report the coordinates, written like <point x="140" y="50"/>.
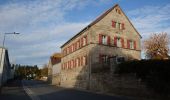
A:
<point x="111" y="35"/>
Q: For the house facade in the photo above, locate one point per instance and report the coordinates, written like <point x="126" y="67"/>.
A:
<point x="54" y="66"/>
<point x="111" y="35"/>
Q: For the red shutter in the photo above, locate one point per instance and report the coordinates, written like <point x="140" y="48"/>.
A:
<point x="72" y="63"/>
<point x="113" y="24"/>
<point x="108" y="40"/>
<point x="78" y="61"/>
<point x="78" y="43"/>
<point x="75" y="63"/>
<point x="134" y="44"/>
<point x="86" y="39"/>
<point x="85" y="60"/>
<point x="100" y="39"/>
<point x="128" y="44"/>
<point x="68" y="64"/>
<point x="81" y="61"/>
<point x="81" y="42"/>
<point x="122" y="40"/>
<point x="70" y="49"/>
<point x="123" y="26"/>
<point x="76" y="46"/>
<point x="115" y="41"/>
<point x="73" y="47"/>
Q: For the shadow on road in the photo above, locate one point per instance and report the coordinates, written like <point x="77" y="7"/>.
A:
<point x="44" y="91"/>
<point x="13" y="90"/>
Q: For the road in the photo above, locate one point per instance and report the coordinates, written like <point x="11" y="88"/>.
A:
<point x="39" y="90"/>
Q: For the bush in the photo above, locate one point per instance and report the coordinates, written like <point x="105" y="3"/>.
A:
<point x="154" y="73"/>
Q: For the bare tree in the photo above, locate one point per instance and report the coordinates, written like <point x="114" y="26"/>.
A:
<point x="156" y="47"/>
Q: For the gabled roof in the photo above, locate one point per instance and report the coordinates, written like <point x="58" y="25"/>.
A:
<point x="57" y="55"/>
<point x="97" y="20"/>
<point x="55" y="58"/>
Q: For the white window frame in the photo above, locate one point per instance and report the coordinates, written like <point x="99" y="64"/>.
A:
<point x="131" y="43"/>
<point x="78" y="44"/>
<point x="105" y="58"/>
<point x="84" y="41"/>
<point x="84" y="60"/>
<point x="104" y="39"/>
<point x="119" y="43"/>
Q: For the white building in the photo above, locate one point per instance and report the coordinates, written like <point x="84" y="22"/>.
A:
<point x="5" y="66"/>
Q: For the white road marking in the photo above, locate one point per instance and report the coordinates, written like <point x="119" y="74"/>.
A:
<point x="30" y="92"/>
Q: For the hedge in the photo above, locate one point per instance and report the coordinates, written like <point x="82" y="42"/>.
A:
<point x="154" y="73"/>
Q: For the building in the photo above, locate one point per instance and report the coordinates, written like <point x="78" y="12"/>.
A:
<point x="5" y="66"/>
<point x="108" y="39"/>
<point x="54" y="67"/>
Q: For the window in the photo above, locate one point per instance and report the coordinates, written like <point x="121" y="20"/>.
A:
<point x="103" y="39"/>
<point x="75" y="46"/>
<point x="84" y="60"/>
<point x="120" y="26"/>
<point x="78" y="44"/>
<point x="72" y="48"/>
<point x="117" y="25"/>
<point x="68" y="50"/>
<point x="120" y="60"/>
<point x="77" y="62"/>
<point x="103" y="58"/>
<point x="72" y="62"/>
<point x="118" y="11"/>
<point x="119" y="44"/>
<point x="131" y="45"/>
<point x="66" y="65"/>
<point x="84" y="40"/>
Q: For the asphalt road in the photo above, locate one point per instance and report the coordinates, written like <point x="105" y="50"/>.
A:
<point x="39" y="90"/>
<point x="13" y="91"/>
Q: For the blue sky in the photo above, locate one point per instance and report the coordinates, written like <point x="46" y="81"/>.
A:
<point x="46" y="24"/>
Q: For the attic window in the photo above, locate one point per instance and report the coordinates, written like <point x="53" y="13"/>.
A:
<point x="118" y="11"/>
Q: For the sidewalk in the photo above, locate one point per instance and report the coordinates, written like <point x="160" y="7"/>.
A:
<point x="13" y="90"/>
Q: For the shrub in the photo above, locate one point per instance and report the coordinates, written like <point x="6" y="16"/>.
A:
<point x="154" y="73"/>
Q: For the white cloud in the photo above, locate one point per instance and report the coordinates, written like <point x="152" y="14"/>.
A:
<point x="42" y="26"/>
<point x="151" y="19"/>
